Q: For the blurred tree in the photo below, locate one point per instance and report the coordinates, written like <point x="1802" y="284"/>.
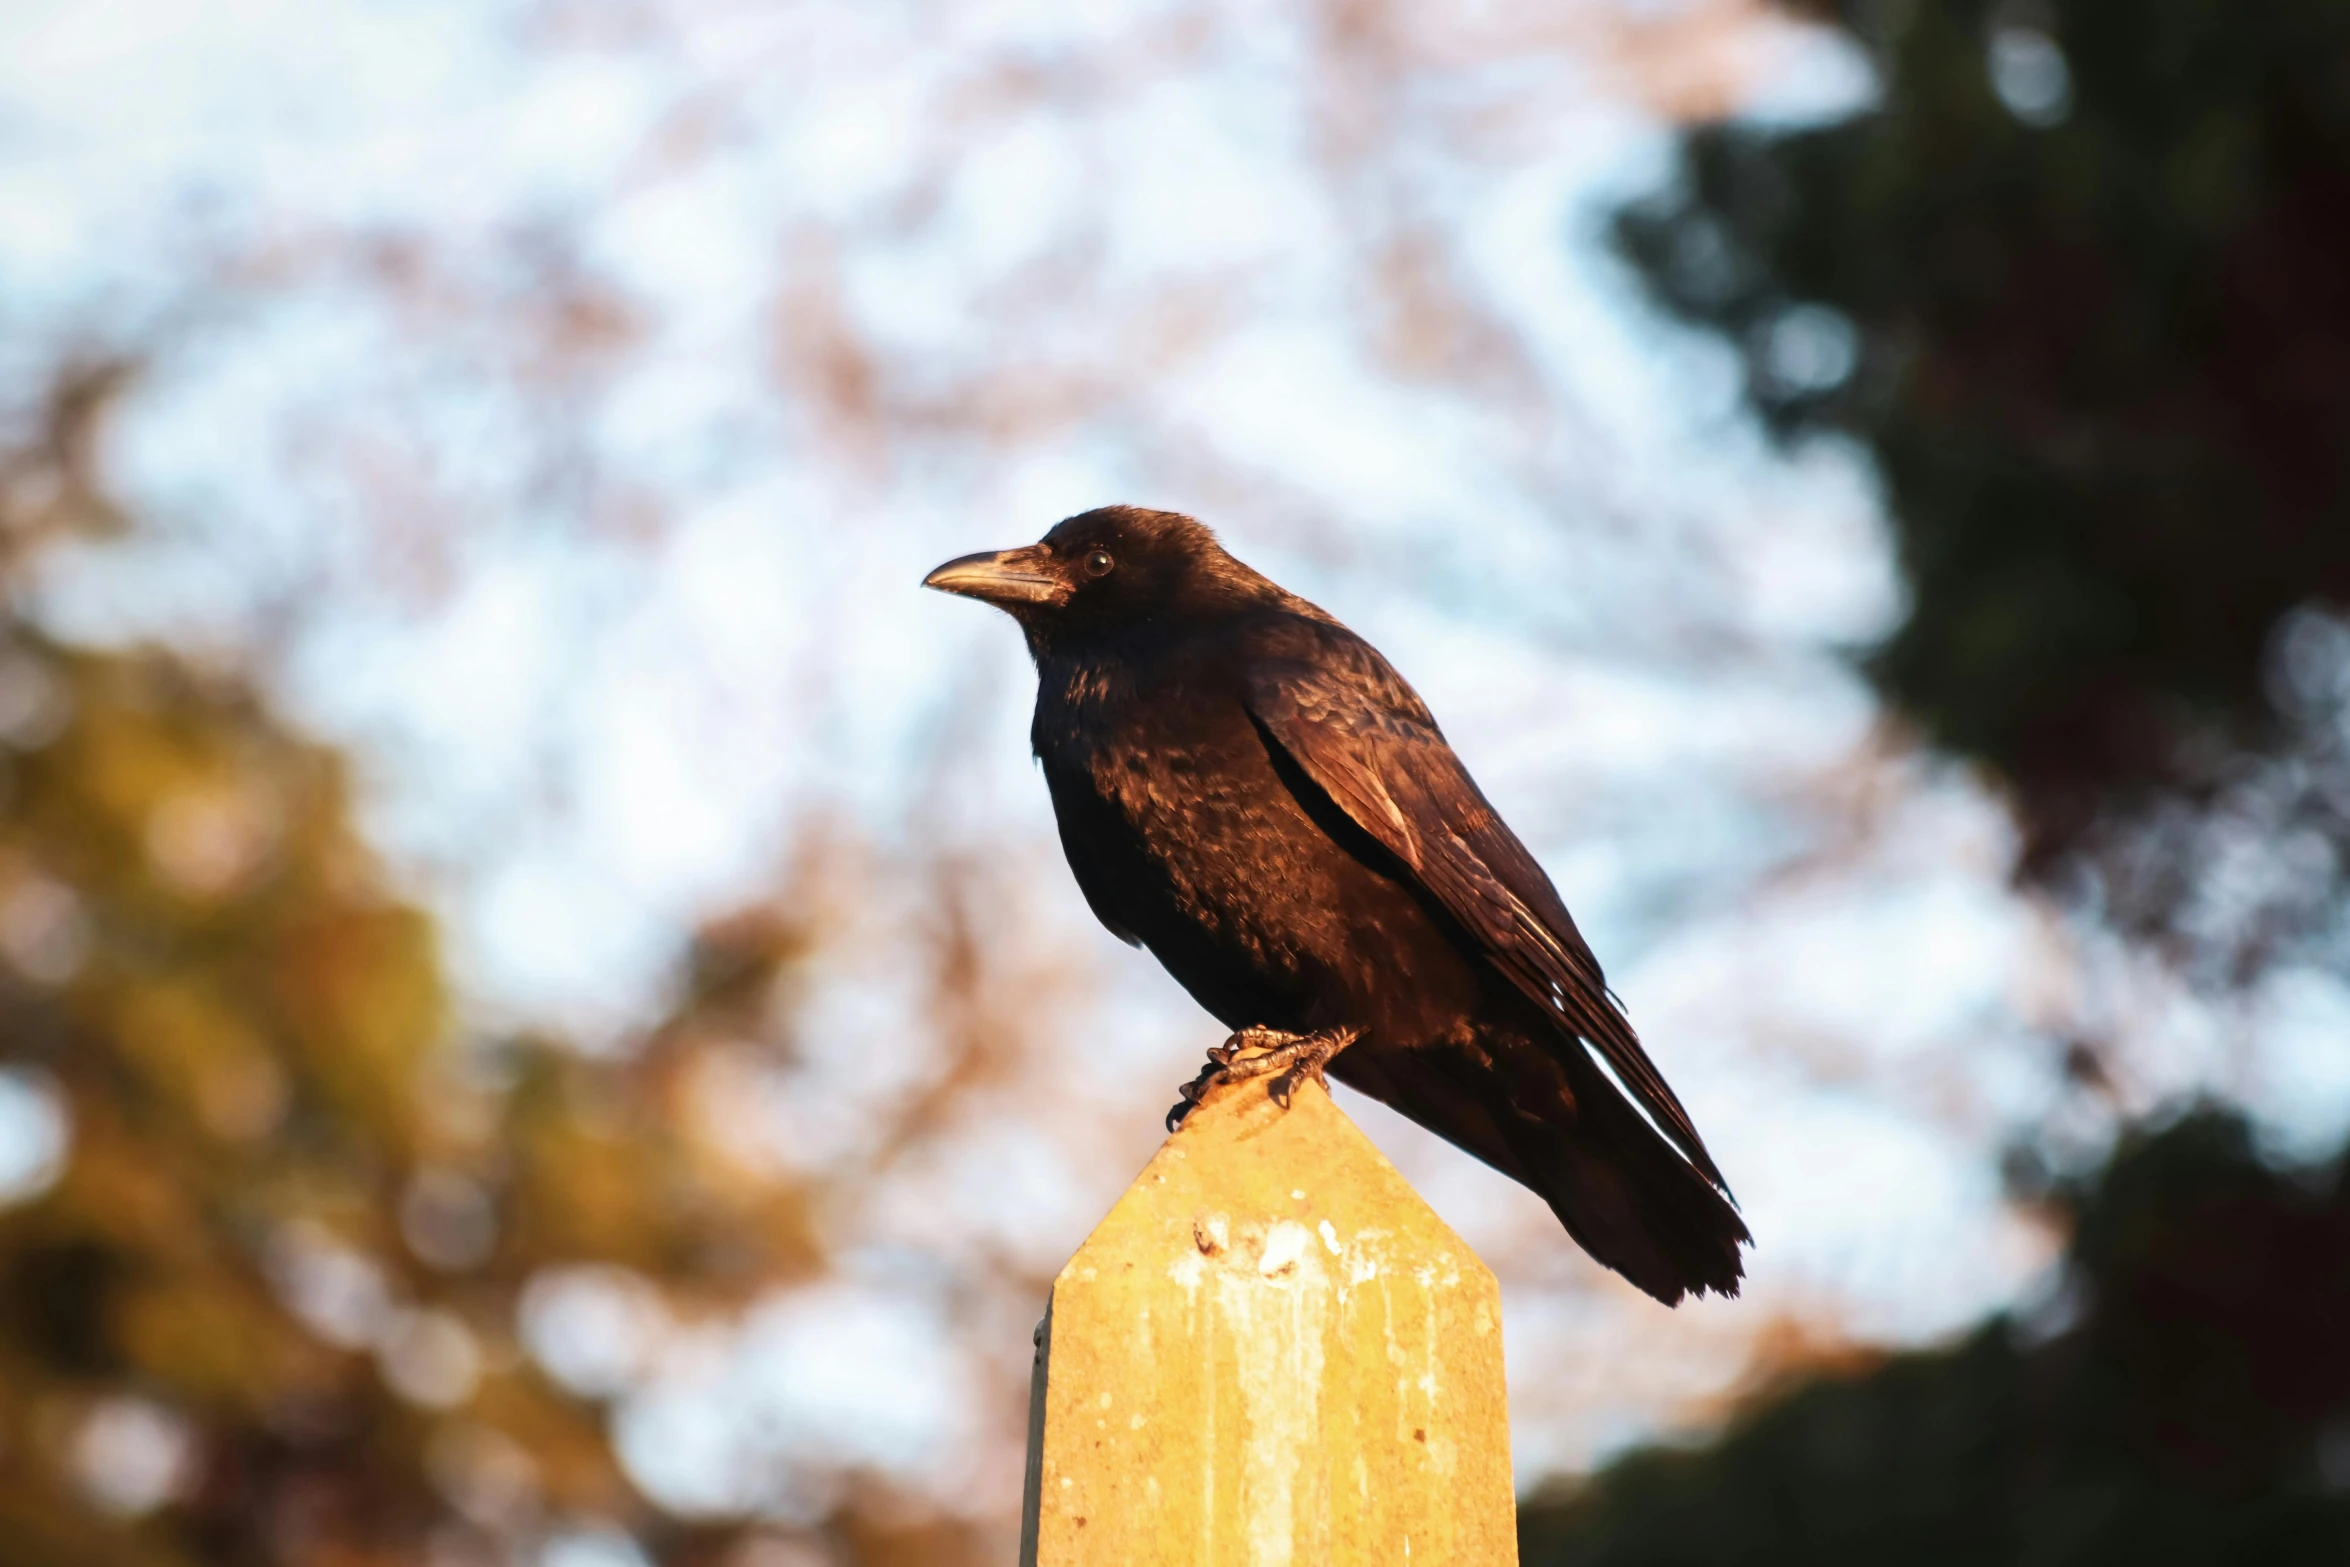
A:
<point x="263" y="1306"/>
<point x="2196" y="1408"/>
<point x="2079" y="279"/>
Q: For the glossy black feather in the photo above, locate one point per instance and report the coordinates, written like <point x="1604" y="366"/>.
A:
<point x="1247" y="789"/>
<point x="1363" y="735"/>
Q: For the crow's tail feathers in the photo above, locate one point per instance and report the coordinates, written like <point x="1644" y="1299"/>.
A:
<point x="1627" y="1196"/>
<point x="1545" y="1115"/>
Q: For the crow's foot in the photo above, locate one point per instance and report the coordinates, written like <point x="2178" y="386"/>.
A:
<point x="1289" y="1059"/>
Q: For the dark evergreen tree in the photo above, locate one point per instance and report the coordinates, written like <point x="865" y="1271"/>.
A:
<point x="2079" y="280"/>
<point x="2195" y="1411"/>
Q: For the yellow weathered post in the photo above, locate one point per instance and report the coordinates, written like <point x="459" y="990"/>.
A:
<point x="1271" y="1351"/>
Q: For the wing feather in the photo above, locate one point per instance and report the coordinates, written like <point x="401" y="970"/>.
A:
<point x="1365" y="738"/>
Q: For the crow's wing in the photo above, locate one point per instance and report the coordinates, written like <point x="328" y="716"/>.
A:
<point x="1358" y="731"/>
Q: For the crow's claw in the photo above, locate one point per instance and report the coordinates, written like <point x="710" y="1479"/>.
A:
<point x="1192" y="1093"/>
<point x="1288" y="1059"/>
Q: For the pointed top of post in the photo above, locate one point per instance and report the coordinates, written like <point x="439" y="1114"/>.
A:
<point x="1270" y="1351"/>
<point x="1242" y="1172"/>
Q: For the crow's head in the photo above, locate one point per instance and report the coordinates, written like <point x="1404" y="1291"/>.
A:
<point x="1099" y="570"/>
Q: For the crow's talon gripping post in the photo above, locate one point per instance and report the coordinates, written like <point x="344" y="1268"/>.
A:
<point x="1288" y="1059"/>
<point x="1192" y="1092"/>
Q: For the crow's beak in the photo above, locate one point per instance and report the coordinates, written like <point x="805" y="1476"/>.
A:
<point x="1004" y="577"/>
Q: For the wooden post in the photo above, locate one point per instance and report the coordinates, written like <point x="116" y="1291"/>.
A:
<point x="1271" y="1352"/>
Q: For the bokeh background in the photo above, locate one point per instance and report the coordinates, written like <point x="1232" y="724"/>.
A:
<point x="541" y="1017"/>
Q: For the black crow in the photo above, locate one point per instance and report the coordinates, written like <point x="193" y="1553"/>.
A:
<point x="1246" y="788"/>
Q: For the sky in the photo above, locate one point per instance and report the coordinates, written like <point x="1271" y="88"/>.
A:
<point x="562" y="402"/>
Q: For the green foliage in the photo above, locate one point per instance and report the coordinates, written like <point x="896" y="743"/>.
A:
<point x="2197" y="1411"/>
<point x="2098" y="339"/>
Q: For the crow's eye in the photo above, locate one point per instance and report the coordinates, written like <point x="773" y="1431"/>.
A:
<point x="1099" y="564"/>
